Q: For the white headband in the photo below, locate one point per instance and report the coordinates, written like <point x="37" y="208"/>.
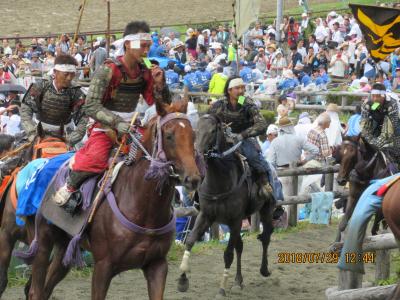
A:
<point x="235" y="82"/>
<point x="135" y="41"/>
<point x="65" y="68"/>
<point x="378" y="92"/>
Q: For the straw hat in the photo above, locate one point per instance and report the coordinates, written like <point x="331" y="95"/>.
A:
<point x="272" y="45"/>
<point x="333" y="107"/>
<point x="284" y="122"/>
<point x="179" y="44"/>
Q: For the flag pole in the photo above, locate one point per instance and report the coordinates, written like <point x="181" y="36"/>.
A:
<point x="236" y="41"/>
<point x="82" y="8"/>
<point x="108" y="28"/>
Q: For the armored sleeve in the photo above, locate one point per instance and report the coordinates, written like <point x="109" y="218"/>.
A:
<point x="93" y="106"/>
<point x="29" y="106"/>
<point x="259" y="123"/>
<point x="79" y="118"/>
<point x="390" y="128"/>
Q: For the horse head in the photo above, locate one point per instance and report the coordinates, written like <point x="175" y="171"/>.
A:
<point x="175" y="138"/>
<point x="210" y="135"/>
<point x="348" y="158"/>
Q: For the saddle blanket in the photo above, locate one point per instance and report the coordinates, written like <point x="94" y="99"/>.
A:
<point x="366" y="207"/>
<point x="32" y="182"/>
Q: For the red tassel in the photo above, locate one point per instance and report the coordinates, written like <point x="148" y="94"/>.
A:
<point x="382" y="190"/>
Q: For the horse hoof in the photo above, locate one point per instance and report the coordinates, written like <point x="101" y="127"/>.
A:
<point x="264" y="272"/>
<point x="183" y="283"/>
<point x="237" y="288"/>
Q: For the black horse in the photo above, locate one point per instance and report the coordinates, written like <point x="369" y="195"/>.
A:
<point x="359" y="164"/>
<point x="226" y="196"/>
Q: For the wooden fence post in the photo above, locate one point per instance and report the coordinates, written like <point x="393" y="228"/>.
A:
<point x="382" y="265"/>
<point x="349" y="280"/>
<point x="292" y="191"/>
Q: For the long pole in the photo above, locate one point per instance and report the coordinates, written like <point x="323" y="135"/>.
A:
<point x="235" y="42"/>
<point x="108" y="27"/>
<point x="279" y="10"/>
<point x="82" y="8"/>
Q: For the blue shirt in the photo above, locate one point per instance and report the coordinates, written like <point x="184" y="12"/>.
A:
<point x="323" y="79"/>
<point x="246" y="74"/>
<point x="171" y="77"/>
<point x="288" y="83"/>
<point x="203" y="78"/>
<point x="354" y="125"/>
<point x="305" y="80"/>
<point x="192" y="82"/>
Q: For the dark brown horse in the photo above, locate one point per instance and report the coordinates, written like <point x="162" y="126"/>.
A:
<point x="391" y="213"/>
<point x="226" y="197"/>
<point x="116" y="248"/>
<point x="10" y="232"/>
<point x="360" y="163"/>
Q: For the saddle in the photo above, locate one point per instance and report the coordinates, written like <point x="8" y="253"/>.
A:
<point x="48" y="147"/>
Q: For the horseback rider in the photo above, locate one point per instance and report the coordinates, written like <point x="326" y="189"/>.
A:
<point x="52" y="108"/>
<point x="246" y="122"/>
<point x="111" y="101"/>
<point x="380" y="125"/>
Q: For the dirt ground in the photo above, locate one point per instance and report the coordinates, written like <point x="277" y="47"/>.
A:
<point x="287" y="282"/>
<point x="43" y="16"/>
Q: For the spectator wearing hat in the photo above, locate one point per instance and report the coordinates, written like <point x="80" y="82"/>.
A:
<point x="339" y="64"/>
<point x="279" y="63"/>
<point x="285" y="101"/>
<point x="218" y="54"/>
<point x="288" y="147"/>
<point x="180" y="53"/>
<point x="272" y="133"/>
<point x="307" y="27"/>
<point x="317" y="136"/>
<point x="270" y="55"/>
<point x="335" y="131"/>
<point x="36" y="64"/>
<point x="364" y="85"/>
<point x="191" y="44"/>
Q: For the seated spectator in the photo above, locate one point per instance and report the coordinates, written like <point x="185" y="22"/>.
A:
<point x="272" y="133"/>
<point x="245" y="72"/>
<point x="303" y="78"/>
<point x="288" y="81"/>
<point x="171" y="77"/>
<point x="364" y="85"/>
<point x="278" y="64"/>
<point x="323" y="77"/>
<point x="203" y="76"/>
<point x="261" y="60"/>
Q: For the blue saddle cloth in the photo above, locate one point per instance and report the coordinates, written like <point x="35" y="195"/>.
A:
<point x="32" y="183"/>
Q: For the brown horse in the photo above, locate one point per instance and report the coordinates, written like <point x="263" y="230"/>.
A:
<point x="360" y="163"/>
<point x="391" y="213"/>
<point x="10" y="232"/>
<point x="115" y="247"/>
